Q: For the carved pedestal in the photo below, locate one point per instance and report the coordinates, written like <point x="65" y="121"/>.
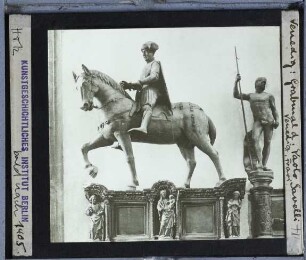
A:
<point x="164" y="212"/>
<point x="261" y="203"/>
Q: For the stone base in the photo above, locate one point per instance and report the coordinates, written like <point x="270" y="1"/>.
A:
<point x="260" y="178"/>
<point x="264" y="237"/>
<point x="261" y="203"/>
<point x="133" y="215"/>
<point x="165" y="238"/>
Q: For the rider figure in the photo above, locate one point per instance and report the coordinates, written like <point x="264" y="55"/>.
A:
<point x="265" y="118"/>
<point x="151" y="88"/>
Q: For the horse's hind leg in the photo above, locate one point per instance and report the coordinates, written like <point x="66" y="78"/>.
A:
<point x="188" y="154"/>
<point x="124" y="140"/>
<point x="98" y="142"/>
<point x="205" y="146"/>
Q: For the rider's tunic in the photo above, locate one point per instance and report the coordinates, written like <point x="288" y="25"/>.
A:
<point x="150" y="81"/>
<point x="153" y="86"/>
<point x="261" y="108"/>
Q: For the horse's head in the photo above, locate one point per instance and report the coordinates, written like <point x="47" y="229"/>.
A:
<point x="86" y="84"/>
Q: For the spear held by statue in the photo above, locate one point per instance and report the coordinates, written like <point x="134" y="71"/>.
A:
<point x="247" y="137"/>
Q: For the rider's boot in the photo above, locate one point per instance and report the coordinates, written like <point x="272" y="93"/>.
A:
<point x="147" y="114"/>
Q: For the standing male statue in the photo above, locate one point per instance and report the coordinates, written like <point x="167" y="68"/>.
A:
<point x="265" y="118"/>
<point x="151" y="88"/>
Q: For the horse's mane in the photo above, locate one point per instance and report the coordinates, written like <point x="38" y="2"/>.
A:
<point x="109" y="81"/>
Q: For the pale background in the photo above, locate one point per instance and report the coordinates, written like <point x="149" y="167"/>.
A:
<point x="199" y="67"/>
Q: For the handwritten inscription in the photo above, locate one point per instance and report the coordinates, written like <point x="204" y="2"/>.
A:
<point x="292" y="126"/>
<point x="19" y="229"/>
<point x="20" y="201"/>
<point x="16" y="40"/>
<point x="16" y="165"/>
<point x="292" y="43"/>
<point x="16" y="190"/>
<point x="296" y="231"/>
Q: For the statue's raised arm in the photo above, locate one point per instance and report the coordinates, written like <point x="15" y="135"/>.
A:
<point x="237" y="93"/>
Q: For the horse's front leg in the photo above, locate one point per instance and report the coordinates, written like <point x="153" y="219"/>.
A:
<point x="124" y="140"/>
<point x="98" y="142"/>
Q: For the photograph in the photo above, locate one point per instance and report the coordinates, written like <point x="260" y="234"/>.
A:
<point x="165" y="134"/>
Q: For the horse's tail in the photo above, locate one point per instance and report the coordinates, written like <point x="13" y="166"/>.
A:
<point x="211" y="131"/>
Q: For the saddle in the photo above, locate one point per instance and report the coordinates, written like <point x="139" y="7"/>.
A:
<point x="159" y="112"/>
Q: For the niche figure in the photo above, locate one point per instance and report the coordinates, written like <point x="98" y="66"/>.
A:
<point x="96" y="212"/>
<point x="233" y="216"/>
<point x="166" y="213"/>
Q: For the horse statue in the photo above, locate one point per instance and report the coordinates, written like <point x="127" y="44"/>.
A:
<point x="188" y="125"/>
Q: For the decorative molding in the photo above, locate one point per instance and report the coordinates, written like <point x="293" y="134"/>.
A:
<point x="231" y="185"/>
<point x="163" y="185"/>
<point x="95" y="189"/>
<point x="216" y="197"/>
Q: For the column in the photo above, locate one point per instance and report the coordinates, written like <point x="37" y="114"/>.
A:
<point x="151" y="218"/>
<point x="221" y="205"/>
<point x="107" y="220"/>
<point x="261" y="203"/>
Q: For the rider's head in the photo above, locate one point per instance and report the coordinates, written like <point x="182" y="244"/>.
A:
<point x="148" y="50"/>
<point x="260" y="84"/>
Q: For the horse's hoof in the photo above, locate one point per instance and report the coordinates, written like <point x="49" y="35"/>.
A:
<point x="94" y="174"/>
<point x="187" y="185"/>
<point x="136" y="182"/>
<point x="92" y="171"/>
<point x="220" y="182"/>
<point x="131" y="187"/>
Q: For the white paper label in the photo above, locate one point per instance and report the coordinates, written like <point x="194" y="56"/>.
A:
<point x="292" y="131"/>
<point x="21" y="136"/>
